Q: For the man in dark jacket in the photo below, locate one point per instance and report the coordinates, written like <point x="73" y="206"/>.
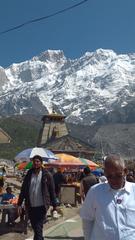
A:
<point x="39" y="193"/>
<point x="59" y="179"/>
<point x="86" y="183"/>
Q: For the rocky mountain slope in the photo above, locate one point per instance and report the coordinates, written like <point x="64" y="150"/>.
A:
<point x="96" y="92"/>
<point x="108" y="138"/>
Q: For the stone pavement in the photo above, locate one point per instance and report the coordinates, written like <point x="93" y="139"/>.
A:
<point x="66" y="227"/>
<point x="70" y="229"/>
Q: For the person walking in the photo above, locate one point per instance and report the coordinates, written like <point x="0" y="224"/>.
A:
<point x="87" y="182"/>
<point x="59" y="178"/>
<point x="108" y="210"/>
<point x="39" y="193"/>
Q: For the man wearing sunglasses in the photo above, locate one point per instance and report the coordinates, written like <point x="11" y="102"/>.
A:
<point x="108" y="212"/>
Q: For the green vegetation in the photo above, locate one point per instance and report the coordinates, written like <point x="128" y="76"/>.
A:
<point x="23" y="132"/>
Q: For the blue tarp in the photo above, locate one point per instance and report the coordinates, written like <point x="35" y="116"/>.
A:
<point x="98" y="172"/>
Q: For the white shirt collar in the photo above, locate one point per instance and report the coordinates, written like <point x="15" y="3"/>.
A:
<point x="126" y="187"/>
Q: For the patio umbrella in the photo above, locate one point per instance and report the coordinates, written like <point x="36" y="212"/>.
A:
<point x="29" y="153"/>
<point x="63" y="157"/>
<point x="24" y="165"/>
<point x="66" y="160"/>
<point x="29" y="165"/>
<point x="89" y="163"/>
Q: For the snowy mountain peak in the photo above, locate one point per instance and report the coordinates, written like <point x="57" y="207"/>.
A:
<point x="52" y="56"/>
<point x="106" y="52"/>
<point x="84" y="89"/>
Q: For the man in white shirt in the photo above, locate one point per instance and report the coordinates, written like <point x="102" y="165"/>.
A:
<point x="108" y="212"/>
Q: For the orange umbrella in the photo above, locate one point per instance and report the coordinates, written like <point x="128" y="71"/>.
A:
<point x="67" y="160"/>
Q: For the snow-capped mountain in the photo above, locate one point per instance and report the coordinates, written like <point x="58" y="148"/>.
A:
<point x="92" y="88"/>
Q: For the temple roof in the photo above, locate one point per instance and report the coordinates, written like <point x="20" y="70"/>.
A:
<point x="70" y="144"/>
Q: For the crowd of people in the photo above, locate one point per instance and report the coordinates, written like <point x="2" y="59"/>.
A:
<point x="107" y="200"/>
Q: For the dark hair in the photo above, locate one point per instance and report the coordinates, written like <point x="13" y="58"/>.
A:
<point x="87" y="170"/>
<point x="9" y="189"/>
<point x="37" y="157"/>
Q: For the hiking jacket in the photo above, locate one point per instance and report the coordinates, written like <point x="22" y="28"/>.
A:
<point x="47" y="188"/>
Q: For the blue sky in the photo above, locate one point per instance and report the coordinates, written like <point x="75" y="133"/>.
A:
<point x="108" y="24"/>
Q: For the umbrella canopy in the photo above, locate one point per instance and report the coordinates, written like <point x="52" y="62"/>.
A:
<point x="66" y="160"/>
<point x="29" y="165"/>
<point x="29" y="153"/>
<point x="24" y="165"/>
<point x="63" y="157"/>
<point x="90" y="163"/>
<point x="21" y="165"/>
